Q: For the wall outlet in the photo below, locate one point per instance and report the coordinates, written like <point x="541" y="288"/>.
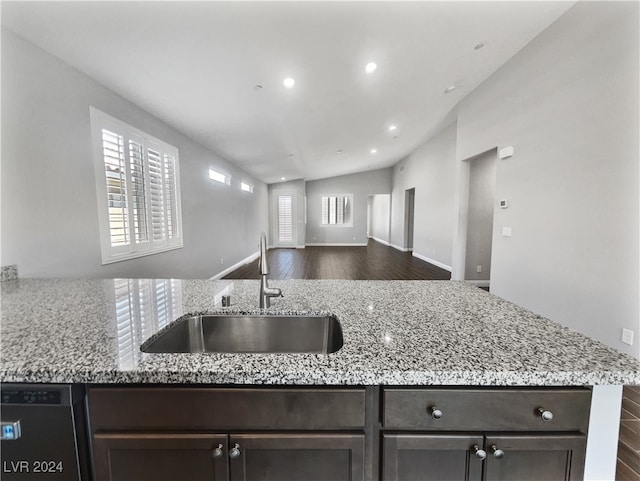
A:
<point x="478" y="269"/>
<point x="506" y="231"/>
<point x="627" y="336"/>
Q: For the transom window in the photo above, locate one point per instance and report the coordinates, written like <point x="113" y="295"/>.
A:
<point x="138" y="187"/>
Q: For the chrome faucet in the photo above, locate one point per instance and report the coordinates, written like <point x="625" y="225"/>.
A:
<point x="266" y="292"/>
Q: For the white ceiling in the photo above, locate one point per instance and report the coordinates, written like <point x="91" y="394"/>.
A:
<point x="195" y="65"/>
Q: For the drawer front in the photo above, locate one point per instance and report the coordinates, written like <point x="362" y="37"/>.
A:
<point x="486" y="409"/>
<point x="148" y="408"/>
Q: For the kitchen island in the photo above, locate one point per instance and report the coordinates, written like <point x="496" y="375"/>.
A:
<point x="396" y="334"/>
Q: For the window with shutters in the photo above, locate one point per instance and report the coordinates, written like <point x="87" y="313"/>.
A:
<point x="337" y="210"/>
<point x="138" y="190"/>
<point x="285" y="219"/>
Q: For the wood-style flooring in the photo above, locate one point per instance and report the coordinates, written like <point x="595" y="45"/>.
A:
<point x="628" y="468"/>
<point x="373" y="262"/>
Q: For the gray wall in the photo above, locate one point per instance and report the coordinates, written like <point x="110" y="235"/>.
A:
<point x="568" y="103"/>
<point x="482" y="205"/>
<point x="361" y="185"/>
<point x="380" y="216"/>
<point x="49" y="205"/>
<point x="431" y="170"/>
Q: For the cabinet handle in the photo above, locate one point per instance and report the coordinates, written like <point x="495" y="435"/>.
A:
<point x="545" y="415"/>
<point x="217" y="452"/>
<point x="435" y="412"/>
<point x="479" y="453"/>
<point x="497" y="453"/>
<point x="234" y="452"/>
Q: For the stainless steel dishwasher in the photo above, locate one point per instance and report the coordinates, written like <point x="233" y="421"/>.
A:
<point x="43" y="432"/>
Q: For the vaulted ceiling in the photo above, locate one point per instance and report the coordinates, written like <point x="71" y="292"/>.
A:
<point x="215" y="70"/>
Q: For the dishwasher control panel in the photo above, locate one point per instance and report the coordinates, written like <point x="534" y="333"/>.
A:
<point x="32" y="396"/>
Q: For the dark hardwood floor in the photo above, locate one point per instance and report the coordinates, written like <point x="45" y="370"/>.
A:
<point x="628" y="468"/>
<point x="373" y="262"/>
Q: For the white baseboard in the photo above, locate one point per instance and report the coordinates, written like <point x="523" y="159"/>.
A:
<point x="220" y="275"/>
<point x="432" y="261"/>
<point x="402" y="249"/>
<point x="379" y="240"/>
<point x="335" y="244"/>
<point x="482" y="283"/>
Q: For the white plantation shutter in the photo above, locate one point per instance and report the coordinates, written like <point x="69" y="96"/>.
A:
<point x="138" y="191"/>
<point x="114" y="169"/>
<point x="170" y="199"/>
<point x="139" y="204"/>
<point x="285" y="219"/>
<point x="336" y="210"/>
<point x="156" y="191"/>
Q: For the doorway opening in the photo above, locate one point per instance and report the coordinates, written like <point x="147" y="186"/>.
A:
<point x="409" y="214"/>
<point x="480" y="213"/>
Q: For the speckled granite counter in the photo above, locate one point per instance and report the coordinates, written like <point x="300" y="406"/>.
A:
<point x="396" y="333"/>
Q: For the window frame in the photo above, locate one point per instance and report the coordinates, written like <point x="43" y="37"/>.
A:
<point x="133" y="249"/>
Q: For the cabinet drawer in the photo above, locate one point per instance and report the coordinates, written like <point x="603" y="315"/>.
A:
<point x="148" y="408"/>
<point x="486" y="409"/>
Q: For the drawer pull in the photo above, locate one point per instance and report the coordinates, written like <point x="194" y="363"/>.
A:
<point x="545" y="415"/>
<point x="497" y="453"/>
<point x="234" y="452"/>
<point x="217" y="452"/>
<point x="479" y="453"/>
<point x="435" y="412"/>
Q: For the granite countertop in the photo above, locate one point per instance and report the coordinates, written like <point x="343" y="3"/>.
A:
<point x="395" y="333"/>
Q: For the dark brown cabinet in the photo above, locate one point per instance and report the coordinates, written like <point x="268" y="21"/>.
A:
<point x="159" y="457"/>
<point x="295" y="457"/>
<point x="535" y="457"/>
<point x="221" y="457"/>
<point x="438" y="457"/>
<point x="167" y="433"/>
<point x="431" y="457"/>
<point x="509" y="434"/>
<point x="156" y="434"/>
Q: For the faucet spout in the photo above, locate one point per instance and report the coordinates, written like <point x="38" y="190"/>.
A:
<point x="266" y="292"/>
<point x="263" y="265"/>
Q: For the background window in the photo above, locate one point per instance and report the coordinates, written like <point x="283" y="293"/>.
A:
<point x="337" y="210"/>
<point x="138" y="187"/>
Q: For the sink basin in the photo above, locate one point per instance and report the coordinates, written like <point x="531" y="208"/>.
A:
<point x="250" y="333"/>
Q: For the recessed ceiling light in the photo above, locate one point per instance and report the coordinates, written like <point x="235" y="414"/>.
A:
<point x="449" y="89"/>
<point x="339" y="151"/>
<point x="478" y="46"/>
<point x="288" y="82"/>
<point x="371" y="67"/>
<point x="257" y="87"/>
<point x="392" y="128"/>
<point x="283" y="178"/>
<point x="373" y="151"/>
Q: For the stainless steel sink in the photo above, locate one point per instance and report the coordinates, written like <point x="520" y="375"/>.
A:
<point x="250" y="333"/>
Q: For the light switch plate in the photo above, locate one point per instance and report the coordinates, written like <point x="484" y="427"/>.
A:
<point x="627" y="336"/>
<point x="506" y="231"/>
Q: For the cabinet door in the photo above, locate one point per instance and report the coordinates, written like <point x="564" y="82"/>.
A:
<point x="159" y="457"/>
<point x="296" y="457"/>
<point x="535" y="457"/>
<point x="425" y="457"/>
